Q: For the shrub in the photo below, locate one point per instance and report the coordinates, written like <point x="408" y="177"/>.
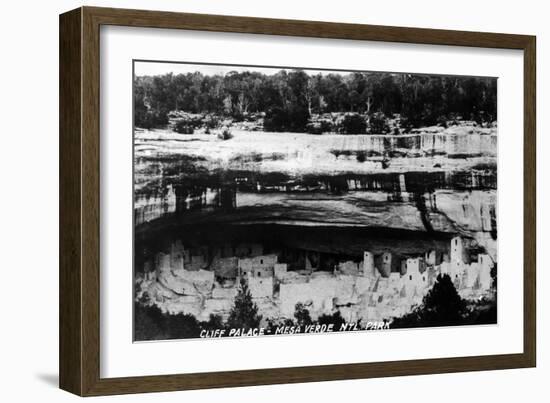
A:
<point x="153" y="324"/>
<point x="299" y="116"/>
<point x="273" y="324"/>
<point x="187" y="123"/>
<point x="353" y="123"/>
<point x="225" y="134"/>
<point x="183" y="127"/>
<point x="182" y="326"/>
<point x="413" y="119"/>
<point x="335" y="319"/>
<point x="214" y="322"/>
<point x="319" y="127"/>
<point x="276" y="120"/>
<point x="378" y="124"/>
<point x="301" y="314"/>
<point x="361" y="156"/>
<point x="211" y="121"/>
<point x="150" y="118"/>
<point x="292" y="119"/>
<point x="442" y="121"/>
<point x="149" y="322"/>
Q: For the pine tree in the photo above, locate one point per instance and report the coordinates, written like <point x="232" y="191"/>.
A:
<point x="244" y="313"/>
<point x="442" y="306"/>
<point x="301" y="313"/>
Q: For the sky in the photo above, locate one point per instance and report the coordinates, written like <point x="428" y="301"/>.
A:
<point x="154" y="68"/>
<point x="147" y="68"/>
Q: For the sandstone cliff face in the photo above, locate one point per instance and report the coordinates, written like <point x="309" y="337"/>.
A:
<point x="471" y="214"/>
<point x="427" y="187"/>
<point x="439" y="210"/>
<point x="329" y="153"/>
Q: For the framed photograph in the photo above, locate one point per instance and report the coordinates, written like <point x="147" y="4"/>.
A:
<point x="249" y="201"/>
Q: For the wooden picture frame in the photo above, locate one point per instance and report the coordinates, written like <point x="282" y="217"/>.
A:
<point x="79" y="348"/>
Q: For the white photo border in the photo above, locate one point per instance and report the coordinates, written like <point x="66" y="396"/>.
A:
<point x="120" y="357"/>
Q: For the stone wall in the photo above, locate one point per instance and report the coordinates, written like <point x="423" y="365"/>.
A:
<point x="257" y="266"/>
<point x="260" y="287"/>
<point x="357" y="290"/>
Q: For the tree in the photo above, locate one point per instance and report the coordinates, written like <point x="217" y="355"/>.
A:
<point x="353" y="123"/>
<point x="276" y="120"/>
<point x="377" y="124"/>
<point x="301" y="313"/>
<point x="442" y="306"/>
<point x="183" y="127"/>
<point x="244" y="313"/>
<point x="293" y="96"/>
<point x="182" y="326"/>
<point x="214" y="322"/>
<point x="335" y="320"/>
<point x="149" y="322"/>
<point x="153" y="324"/>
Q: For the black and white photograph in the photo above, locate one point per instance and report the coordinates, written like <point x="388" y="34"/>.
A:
<point x="284" y="200"/>
<point x="269" y="202"/>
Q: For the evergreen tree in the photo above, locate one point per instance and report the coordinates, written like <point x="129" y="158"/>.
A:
<point x="334" y="319"/>
<point x="289" y="98"/>
<point x="182" y="326"/>
<point x="442" y="306"/>
<point x="301" y="313"/>
<point x="149" y="323"/>
<point x="244" y="313"/>
<point x="214" y="322"/>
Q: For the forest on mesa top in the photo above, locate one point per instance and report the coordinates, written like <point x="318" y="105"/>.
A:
<point x="295" y="101"/>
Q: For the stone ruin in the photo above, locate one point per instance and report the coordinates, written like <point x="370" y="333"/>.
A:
<point x="374" y="289"/>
